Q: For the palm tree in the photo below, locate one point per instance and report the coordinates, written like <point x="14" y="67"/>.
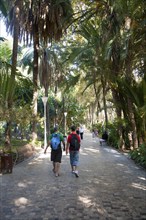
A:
<point x="17" y="90"/>
<point x="119" y="50"/>
<point x="15" y="26"/>
<point x="88" y="57"/>
<point x="38" y="21"/>
<point x="44" y="26"/>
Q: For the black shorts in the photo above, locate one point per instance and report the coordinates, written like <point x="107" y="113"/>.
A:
<point x="56" y="155"/>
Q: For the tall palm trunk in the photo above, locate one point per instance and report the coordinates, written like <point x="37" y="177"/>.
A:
<point x="104" y="101"/>
<point x="47" y="112"/>
<point x="117" y="103"/>
<point x="115" y="70"/>
<point x="128" y="78"/>
<point x="132" y="122"/>
<point x="35" y="82"/>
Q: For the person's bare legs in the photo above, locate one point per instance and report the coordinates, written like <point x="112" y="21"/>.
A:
<point x="54" y="167"/>
<point x="57" y="168"/>
<point x="73" y="168"/>
<point x="75" y="171"/>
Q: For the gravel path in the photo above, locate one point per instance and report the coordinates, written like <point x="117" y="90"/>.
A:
<point x="110" y="187"/>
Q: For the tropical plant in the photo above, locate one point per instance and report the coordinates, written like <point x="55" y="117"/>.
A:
<point x="139" y="155"/>
<point x="46" y="25"/>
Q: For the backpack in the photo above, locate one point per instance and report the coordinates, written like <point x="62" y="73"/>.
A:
<point x="55" y="141"/>
<point x="74" y="142"/>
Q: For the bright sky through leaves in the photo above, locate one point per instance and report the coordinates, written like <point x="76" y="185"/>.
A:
<point x="3" y="32"/>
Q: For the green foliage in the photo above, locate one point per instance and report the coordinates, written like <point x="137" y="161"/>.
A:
<point x="24" y="92"/>
<point x="3" y="8"/>
<point x="113" y="138"/>
<point x="16" y="144"/>
<point x="139" y="155"/>
<point x="99" y="127"/>
<point x="97" y="51"/>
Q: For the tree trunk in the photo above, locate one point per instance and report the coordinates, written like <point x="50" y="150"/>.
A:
<point x="132" y="122"/>
<point x="47" y="113"/>
<point x="129" y="79"/>
<point x="35" y="82"/>
<point x="104" y="101"/>
<point x="63" y="101"/>
<point x="115" y="93"/>
<point x="117" y="103"/>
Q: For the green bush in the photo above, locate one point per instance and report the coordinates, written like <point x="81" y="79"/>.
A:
<point x="139" y="155"/>
<point x="113" y="138"/>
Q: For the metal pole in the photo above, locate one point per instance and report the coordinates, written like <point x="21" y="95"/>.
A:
<point x="44" y="99"/>
<point x="65" y="114"/>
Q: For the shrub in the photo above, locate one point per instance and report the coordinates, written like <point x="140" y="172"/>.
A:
<point x="139" y="155"/>
<point x="113" y="138"/>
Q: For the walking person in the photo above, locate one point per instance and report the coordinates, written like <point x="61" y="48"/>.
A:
<point x="93" y="133"/>
<point x="78" y="130"/>
<point x="81" y="130"/>
<point x="104" y="138"/>
<point x="55" y="140"/>
<point x="73" y="147"/>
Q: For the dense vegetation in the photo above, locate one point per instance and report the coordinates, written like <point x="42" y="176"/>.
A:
<point x="87" y="57"/>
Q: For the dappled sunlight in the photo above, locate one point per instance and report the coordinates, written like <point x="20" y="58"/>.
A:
<point x="35" y="162"/>
<point x="21" y="202"/>
<point x="95" y="141"/>
<point x="39" y="159"/>
<point x="117" y="155"/>
<point x="139" y="186"/>
<point x="119" y="164"/>
<point x="91" y="149"/>
<point x="111" y="151"/>
<point x="44" y="155"/>
<point x="24" y="184"/>
<point x="83" y="153"/>
<point x="127" y="171"/>
<point x="87" y="202"/>
<point x="142" y="178"/>
<point x="96" y="181"/>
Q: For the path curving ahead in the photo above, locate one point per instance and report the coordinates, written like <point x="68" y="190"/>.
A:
<point x="110" y="187"/>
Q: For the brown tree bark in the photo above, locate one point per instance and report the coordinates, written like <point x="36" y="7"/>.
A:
<point x="35" y="81"/>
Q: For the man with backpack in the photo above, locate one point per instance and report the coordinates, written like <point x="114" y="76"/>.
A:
<point x="73" y="147"/>
<point x="55" y="140"/>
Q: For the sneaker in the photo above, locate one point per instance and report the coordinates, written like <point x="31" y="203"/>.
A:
<point x="76" y="173"/>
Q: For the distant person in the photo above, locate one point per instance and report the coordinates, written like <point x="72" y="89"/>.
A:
<point x="78" y="131"/>
<point x="96" y="133"/>
<point x="55" y="140"/>
<point x="73" y="147"/>
<point x="81" y="130"/>
<point x="93" y="133"/>
<point x="105" y="136"/>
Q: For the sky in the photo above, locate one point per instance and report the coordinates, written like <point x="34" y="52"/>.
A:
<point x="3" y="32"/>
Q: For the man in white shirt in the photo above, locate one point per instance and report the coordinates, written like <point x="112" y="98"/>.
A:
<point x="81" y="130"/>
